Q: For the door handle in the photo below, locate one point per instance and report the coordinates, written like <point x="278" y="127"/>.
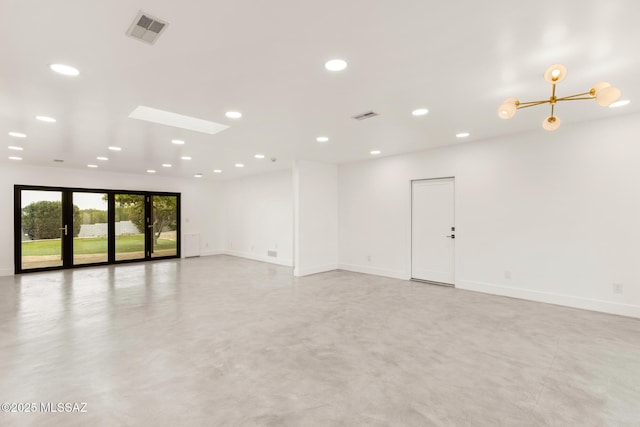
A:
<point x="64" y="228"/>
<point x="453" y="236"/>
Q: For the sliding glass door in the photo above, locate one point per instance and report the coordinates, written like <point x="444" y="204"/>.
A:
<point x="130" y="226"/>
<point x="164" y="219"/>
<point x="41" y="229"/>
<point x="65" y="227"/>
<point x="90" y="228"/>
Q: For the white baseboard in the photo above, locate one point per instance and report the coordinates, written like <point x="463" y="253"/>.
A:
<point x="211" y="253"/>
<point x="263" y="258"/>
<point x="552" y="298"/>
<point x="7" y="272"/>
<point x="299" y="272"/>
<point x="375" y="271"/>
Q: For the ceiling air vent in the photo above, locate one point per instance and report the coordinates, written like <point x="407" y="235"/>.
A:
<point x="366" y="115"/>
<point x="146" y="28"/>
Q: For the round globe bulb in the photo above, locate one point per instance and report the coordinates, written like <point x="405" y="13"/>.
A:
<point x="506" y="111"/>
<point x="608" y="96"/>
<point x="555" y="73"/>
<point x="551" y="123"/>
<point x="597" y="88"/>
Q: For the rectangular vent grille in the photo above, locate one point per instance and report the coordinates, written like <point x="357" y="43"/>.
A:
<point x="146" y="28"/>
<point x="273" y="254"/>
<point x="366" y="115"/>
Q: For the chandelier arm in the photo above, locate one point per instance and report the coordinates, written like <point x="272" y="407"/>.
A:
<point x="553" y="107"/>
<point x="573" y="99"/>
<point x="531" y="104"/>
<point x="576" y="95"/>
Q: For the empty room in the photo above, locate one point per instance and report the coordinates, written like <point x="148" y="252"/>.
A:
<point x="340" y="213"/>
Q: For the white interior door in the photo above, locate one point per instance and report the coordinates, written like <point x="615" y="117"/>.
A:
<point x="433" y="230"/>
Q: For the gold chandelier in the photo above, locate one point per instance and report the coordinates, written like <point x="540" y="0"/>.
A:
<point x="602" y="92"/>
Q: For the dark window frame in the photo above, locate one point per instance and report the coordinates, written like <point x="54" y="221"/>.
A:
<point x="67" y="250"/>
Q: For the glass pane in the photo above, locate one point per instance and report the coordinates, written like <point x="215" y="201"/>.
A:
<point x="129" y="226"/>
<point x="90" y="229"/>
<point x="42" y="229"/>
<point x="164" y="217"/>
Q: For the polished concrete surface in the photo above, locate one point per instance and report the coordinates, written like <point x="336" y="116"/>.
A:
<point x="222" y="341"/>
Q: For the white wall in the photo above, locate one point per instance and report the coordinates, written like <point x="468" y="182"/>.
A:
<point x="315" y="217"/>
<point x="200" y="200"/>
<point x="258" y="217"/>
<point x="559" y="211"/>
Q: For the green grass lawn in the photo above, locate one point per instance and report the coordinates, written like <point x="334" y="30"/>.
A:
<point x="92" y="245"/>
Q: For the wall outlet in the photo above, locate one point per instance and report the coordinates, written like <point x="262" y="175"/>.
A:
<point x="369" y="258"/>
<point x="617" y="288"/>
<point x="507" y="274"/>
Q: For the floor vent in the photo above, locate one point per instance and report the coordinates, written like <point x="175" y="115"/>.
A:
<point x="366" y="115"/>
<point x="146" y="28"/>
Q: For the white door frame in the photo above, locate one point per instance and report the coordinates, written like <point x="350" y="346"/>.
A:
<point x="411" y="230"/>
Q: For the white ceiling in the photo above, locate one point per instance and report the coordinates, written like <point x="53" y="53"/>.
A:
<point x="459" y="59"/>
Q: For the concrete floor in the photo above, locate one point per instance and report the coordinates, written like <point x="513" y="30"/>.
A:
<point x="222" y="341"/>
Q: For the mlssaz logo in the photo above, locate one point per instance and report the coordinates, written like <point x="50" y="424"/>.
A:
<point x="64" y="407"/>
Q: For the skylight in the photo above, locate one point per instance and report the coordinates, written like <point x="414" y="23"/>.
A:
<point x="168" y="118"/>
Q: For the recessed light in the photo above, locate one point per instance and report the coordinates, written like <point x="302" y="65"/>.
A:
<point x="259" y="156"/>
<point x="322" y="139"/>
<point x="18" y="134"/>
<point x="15" y="158"/>
<point x="198" y="175"/>
<point x="375" y="152"/>
<point x="177" y="141"/>
<point x="620" y="103"/>
<point x="92" y="166"/>
<point x="239" y="165"/>
<point x="151" y="171"/>
<point x="185" y="158"/>
<point x="462" y="135"/>
<point x="102" y="158"/>
<point x="217" y="171"/>
<point x="114" y="148"/>
<point x="166" y="165"/>
<point x="335" y="65"/>
<point x="66" y="70"/>
<point x="168" y="118"/>
<point x="233" y="114"/>
<point x="13" y="147"/>
<point x="420" y="112"/>
<point x="46" y="119"/>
